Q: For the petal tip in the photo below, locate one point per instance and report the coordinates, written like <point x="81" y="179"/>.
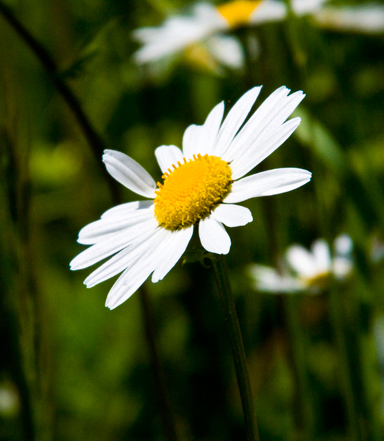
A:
<point x="73" y="266"/>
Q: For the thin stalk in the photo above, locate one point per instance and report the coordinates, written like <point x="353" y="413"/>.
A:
<point x="305" y="416"/>
<point x="167" y="417"/>
<point x="49" y="65"/>
<point x="345" y="374"/>
<point x="238" y="353"/>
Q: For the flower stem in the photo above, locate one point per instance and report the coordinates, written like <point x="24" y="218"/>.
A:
<point x="304" y="409"/>
<point x="230" y="317"/>
<point x="50" y="67"/>
<point x="167" y="418"/>
<point x="338" y="323"/>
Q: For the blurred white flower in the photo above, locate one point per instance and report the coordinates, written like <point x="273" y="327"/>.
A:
<point x="9" y="400"/>
<point x="205" y="27"/>
<point x="367" y="18"/>
<point x="202" y="185"/>
<point x="304" y="270"/>
<point x="376" y="253"/>
<point x="304" y="7"/>
<point x="270" y="280"/>
<point x="200" y="36"/>
<point x="177" y="33"/>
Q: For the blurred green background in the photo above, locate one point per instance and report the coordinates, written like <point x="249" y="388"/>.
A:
<point x="70" y="369"/>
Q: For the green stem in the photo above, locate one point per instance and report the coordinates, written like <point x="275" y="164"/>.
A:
<point x="305" y="417"/>
<point x="167" y="418"/>
<point x="238" y="353"/>
<point x="338" y="323"/>
<point x="65" y="91"/>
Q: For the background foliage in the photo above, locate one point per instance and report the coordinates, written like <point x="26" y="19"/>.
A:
<point x="70" y="369"/>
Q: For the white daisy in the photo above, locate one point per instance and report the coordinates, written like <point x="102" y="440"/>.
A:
<point x="307" y="7"/>
<point x="307" y="270"/>
<point x="270" y="280"/>
<point x="177" y="33"/>
<point x="367" y="18"/>
<point x="202" y="184"/>
<point x="205" y="26"/>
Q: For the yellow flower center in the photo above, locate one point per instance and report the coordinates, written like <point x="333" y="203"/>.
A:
<point x="238" y="13"/>
<point x="198" y="56"/>
<point x="192" y="191"/>
<point x="318" y="282"/>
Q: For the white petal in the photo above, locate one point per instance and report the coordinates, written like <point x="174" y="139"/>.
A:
<point x="322" y="255"/>
<point x="258" y="121"/>
<point x="177" y="32"/>
<point x="106" y="226"/>
<point x="168" y="155"/>
<point x="123" y="210"/>
<point x="175" y="247"/>
<point x="111" y="245"/>
<point x="264" y="132"/>
<point x="122" y="260"/>
<point x="234" y="120"/>
<point x="367" y="18"/>
<point x="342" y="267"/>
<point x="213" y="236"/>
<point x="191" y="141"/>
<point x="227" y="50"/>
<point x="302" y="7"/>
<point x="232" y="215"/>
<point x="210" y="129"/>
<point x="201" y="139"/>
<point x="343" y="245"/>
<point x="127" y="284"/>
<point x="301" y="261"/>
<point x="173" y="36"/>
<point x="207" y="13"/>
<point x="279" y="180"/>
<point x="134" y="276"/>
<point x="129" y="173"/>
<point x="269" y="280"/>
<point x="246" y="161"/>
<point x="343" y="262"/>
<point x="268" y="11"/>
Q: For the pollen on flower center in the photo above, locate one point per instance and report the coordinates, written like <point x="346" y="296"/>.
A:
<point x="192" y="191"/>
<point x="237" y="13"/>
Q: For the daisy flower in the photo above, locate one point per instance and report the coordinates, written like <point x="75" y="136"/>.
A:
<point x="195" y="36"/>
<point x="202" y="184"/>
<point x="306" y="270"/>
<point x="270" y="280"/>
<point x="205" y="26"/>
<point x="367" y="18"/>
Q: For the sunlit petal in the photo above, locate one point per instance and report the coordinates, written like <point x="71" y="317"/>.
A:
<point x="167" y="156"/>
<point x="129" y="173"/>
<point x="213" y="236"/>
<point x="232" y="215"/>
<point x="279" y="180"/>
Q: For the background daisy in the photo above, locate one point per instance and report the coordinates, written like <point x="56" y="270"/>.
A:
<point x="203" y="28"/>
<point x="305" y="270"/>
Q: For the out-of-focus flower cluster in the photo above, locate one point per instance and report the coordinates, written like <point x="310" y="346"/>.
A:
<point x="203" y="38"/>
<point x="306" y="270"/>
